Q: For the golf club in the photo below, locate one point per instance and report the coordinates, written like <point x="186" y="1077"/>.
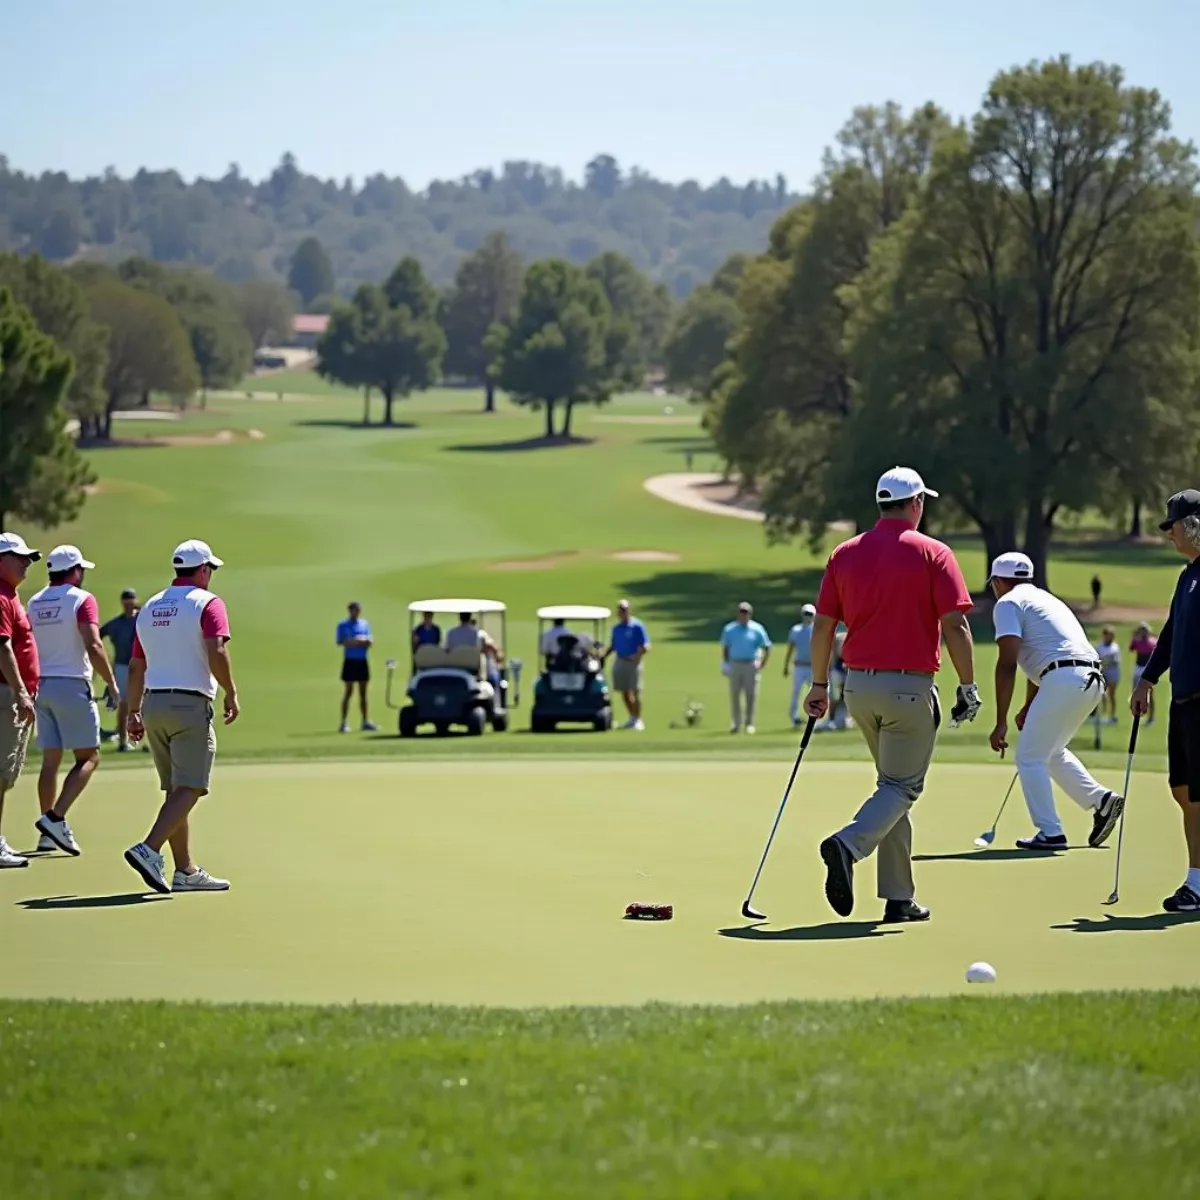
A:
<point x="986" y="839"/>
<point x="1116" y="892"/>
<point x="750" y="913"/>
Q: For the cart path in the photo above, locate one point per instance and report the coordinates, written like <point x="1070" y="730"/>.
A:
<point x="706" y="492"/>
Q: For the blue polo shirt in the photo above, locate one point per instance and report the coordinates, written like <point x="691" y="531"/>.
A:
<point x="1178" y="648"/>
<point x="800" y="637"/>
<point x="351" y="629"/>
<point x="628" y="637"/>
<point x="427" y="635"/>
<point x="744" y="641"/>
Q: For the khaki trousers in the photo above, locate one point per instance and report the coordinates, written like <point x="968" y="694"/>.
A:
<point x="899" y="716"/>
<point x="743" y="692"/>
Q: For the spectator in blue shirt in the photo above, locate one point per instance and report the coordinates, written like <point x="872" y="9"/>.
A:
<point x="745" y="648"/>
<point x="798" y="655"/>
<point x="354" y="637"/>
<point x="426" y="634"/>
<point x="1178" y="651"/>
<point x="630" y="643"/>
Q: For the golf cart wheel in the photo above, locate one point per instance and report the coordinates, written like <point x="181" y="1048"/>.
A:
<point x="408" y="722"/>
<point x="603" y="721"/>
<point x="538" y="725"/>
<point x="476" y="722"/>
<point x="441" y="728"/>
<point x="500" y="721"/>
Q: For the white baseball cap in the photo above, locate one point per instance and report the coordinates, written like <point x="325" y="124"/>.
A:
<point x="195" y="553"/>
<point x="14" y="543"/>
<point x="1013" y="565"/>
<point x="808" y="610"/>
<point x="63" y="558"/>
<point x="900" y="483"/>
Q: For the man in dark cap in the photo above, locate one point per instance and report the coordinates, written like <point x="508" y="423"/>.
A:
<point x="1178" y="651"/>
<point x="121" y="630"/>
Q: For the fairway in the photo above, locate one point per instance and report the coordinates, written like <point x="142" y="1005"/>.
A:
<point x="504" y="883"/>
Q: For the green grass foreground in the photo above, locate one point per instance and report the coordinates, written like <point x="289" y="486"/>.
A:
<point x="1032" y="1097"/>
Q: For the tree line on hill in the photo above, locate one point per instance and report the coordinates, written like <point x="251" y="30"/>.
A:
<point x="240" y="229"/>
<point x="1010" y="304"/>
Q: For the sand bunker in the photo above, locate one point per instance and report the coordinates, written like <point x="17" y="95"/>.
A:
<point x="543" y="563"/>
<point x="646" y="556"/>
<point x="705" y="492"/>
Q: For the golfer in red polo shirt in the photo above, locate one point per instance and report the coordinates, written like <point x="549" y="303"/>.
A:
<point x="898" y="592"/>
<point x="18" y="674"/>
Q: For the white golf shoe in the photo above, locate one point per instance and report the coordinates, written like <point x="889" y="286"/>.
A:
<point x="46" y="845"/>
<point x="198" y="881"/>
<point x="9" y="857"/>
<point x="149" y="865"/>
<point x="59" y="833"/>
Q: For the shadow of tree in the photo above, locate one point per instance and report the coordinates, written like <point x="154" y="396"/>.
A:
<point x="830" y="931"/>
<point x="699" y="603"/>
<point x="313" y="423"/>
<point x="524" y="444"/>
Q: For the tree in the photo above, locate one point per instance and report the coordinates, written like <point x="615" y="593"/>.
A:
<point x="555" y="349"/>
<point x="311" y="272"/>
<point x="487" y="288"/>
<point x="42" y="474"/>
<point x="698" y="340"/>
<point x="778" y="404"/>
<point x="638" y="317"/>
<point x="148" y="347"/>
<point x="370" y="343"/>
<point x="266" y="309"/>
<point x="60" y="307"/>
<point x="1038" y="310"/>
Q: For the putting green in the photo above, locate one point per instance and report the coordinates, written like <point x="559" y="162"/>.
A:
<point x="502" y="882"/>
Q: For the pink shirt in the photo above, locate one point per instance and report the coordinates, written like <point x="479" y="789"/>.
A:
<point x="214" y="620"/>
<point x="891" y="586"/>
<point x="88" y="612"/>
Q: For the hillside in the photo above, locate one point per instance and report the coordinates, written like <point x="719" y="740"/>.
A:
<point x="241" y="229"/>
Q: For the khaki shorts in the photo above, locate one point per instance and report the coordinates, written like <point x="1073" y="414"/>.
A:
<point x="14" y="738"/>
<point x="183" y="743"/>
<point x="626" y="675"/>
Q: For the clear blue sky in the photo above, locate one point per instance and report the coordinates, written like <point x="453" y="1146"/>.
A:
<point x="435" y="88"/>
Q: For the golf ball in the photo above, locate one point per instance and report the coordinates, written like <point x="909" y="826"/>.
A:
<point x="668" y="410"/>
<point x="981" y="972"/>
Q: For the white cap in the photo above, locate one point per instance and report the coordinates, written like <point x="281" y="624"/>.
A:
<point x="14" y="543"/>
<point x="195" y="553"/>
<point x="808" y="610"/>
<point x="63" y="558"/>
<point x="900" y="483"/>
<point x="1013" y="565"/>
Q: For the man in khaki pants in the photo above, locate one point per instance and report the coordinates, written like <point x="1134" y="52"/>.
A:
<point x="745" y="648"/>
<point x="180" y="655"/>
<point x="898" y="592"/>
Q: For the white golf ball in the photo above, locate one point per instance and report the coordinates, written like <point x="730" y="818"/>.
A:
<point x="981" y="972"/>
<point x="668" y="410"/>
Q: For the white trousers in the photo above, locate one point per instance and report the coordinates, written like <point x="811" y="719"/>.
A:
<point x="801" y="678"/>
<point x="1061" y="705"/>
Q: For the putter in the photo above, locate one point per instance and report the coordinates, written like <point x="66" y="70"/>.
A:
<point x="748" y="911"/>
<point x="1116" y="892"/>
<point x="986" y="839"/>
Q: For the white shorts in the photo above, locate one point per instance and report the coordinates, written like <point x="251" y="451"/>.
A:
<point x="67" y="716"/>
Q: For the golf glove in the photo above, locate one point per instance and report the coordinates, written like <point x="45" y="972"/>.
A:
<point x="966" y="705"/>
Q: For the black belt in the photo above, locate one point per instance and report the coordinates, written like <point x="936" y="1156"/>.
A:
<point x="1091" y="664"/>
<point x="177" y="692"/>
<point x="890" y="671"/>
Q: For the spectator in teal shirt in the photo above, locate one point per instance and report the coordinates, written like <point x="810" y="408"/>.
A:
<point x="745" y="648"/>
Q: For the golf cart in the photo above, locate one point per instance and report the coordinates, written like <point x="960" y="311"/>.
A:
<point x="452" y="687"/>
<point x="571" y="687"/>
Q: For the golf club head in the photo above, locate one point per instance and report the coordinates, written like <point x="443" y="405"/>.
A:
<point x="752" y="914"/>
<point x="985" y="839"/>
<point x="1113" y="899"/>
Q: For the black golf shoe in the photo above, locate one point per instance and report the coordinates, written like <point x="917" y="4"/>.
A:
<point x="1183" y="901"/>
<point x="895" y="911"/>
<point x="839" y="876"/>
<point x="1105" y="819"/>
<point x="1041" y="841"/>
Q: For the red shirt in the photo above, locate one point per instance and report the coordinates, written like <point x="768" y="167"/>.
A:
<point x="890" y="586"/>
<point x="14" y="625"/>
<point x="214" y="620"/>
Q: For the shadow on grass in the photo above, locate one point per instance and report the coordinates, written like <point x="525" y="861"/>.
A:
<point x="314" y="423"/>
<point x="1107" y="924"/>
<point x="995" y="855"/>
<point x="699" y="603"/>
<point x="523" y="445"/>
<point x="831" y="931"/>
<point x="119" y="900"/>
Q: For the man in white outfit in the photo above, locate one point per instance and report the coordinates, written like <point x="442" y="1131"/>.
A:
<point x="1039" y="633"/>
<point x="66" y="627"/>
<point x="798" y="657"/>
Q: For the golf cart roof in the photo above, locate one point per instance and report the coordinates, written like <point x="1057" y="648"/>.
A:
<point x="573" y="612"/>
<point x="457" y="605"/>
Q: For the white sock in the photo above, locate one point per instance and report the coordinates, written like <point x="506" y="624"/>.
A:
<point x="1193" y="879"/>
